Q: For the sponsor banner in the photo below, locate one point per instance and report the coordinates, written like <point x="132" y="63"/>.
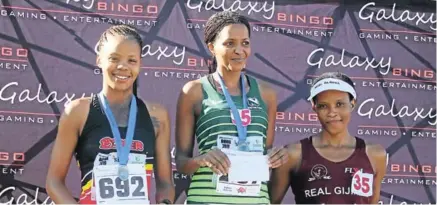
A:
<point x="48" y="54"/>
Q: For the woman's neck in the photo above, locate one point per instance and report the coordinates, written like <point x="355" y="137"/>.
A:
<point x="117" y="97"/>
<point x="335" y="140"/>
<point x="230" y="79"/>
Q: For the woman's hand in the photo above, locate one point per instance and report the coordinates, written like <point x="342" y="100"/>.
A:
<point x="277" y="156"/>
<point x="216" y="160"/>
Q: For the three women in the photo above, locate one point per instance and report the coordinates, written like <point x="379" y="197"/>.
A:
<point x="118" y="139"/>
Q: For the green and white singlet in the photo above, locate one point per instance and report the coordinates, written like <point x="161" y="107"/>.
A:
<point x="214" y="122"/>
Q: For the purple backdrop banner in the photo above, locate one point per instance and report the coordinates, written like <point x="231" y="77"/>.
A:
<point x="47" y="58"/>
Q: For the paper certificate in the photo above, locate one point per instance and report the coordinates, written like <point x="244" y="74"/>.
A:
<point x="247" y="166"/>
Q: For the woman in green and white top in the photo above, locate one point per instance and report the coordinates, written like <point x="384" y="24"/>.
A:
<point x="205" y="112"/>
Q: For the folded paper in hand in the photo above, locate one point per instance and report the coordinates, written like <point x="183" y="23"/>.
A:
<point x="248" y="168"/>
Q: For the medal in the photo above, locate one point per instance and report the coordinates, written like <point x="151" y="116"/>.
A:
<point x="123" y="172"/>
<point x="243" y="146"/>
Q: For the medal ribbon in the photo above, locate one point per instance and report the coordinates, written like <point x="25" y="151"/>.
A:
<point x="242" y="130"/>
<point x="122" y="151"/>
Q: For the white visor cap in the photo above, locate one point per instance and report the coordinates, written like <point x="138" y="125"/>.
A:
<point x="331" y="84"/>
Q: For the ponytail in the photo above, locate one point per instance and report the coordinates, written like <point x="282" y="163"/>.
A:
<point x="135" y="88"/>
<point x="213" y="66"/>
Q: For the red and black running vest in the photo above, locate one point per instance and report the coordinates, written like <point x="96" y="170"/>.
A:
<point x="319" y="180"/>
<point x="97" y="138"/>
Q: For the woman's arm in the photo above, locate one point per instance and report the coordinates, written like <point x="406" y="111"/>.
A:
<point x="269" y="96"/>
<point x="185" y="117"/>
<point x="69" y="128"/>
<point x="378" y="158"/>
<point x="277" y="155"/>
<point x="280" y="177"/>
<point x="163" y="172"/>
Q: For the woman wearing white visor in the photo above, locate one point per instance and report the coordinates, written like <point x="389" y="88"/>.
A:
<point x="331" y="167"/>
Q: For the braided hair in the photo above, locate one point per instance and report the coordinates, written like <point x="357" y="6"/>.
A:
<point x="214" y="26"/>
<point x="126" y="31"/>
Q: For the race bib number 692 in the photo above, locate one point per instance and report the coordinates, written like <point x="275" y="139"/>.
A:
<point x="110" y="189"/>
<point x="114" y="187"/>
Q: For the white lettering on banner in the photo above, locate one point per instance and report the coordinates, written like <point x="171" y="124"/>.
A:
<point x="296" y="31"/>
<point x="22" y="119"/>
<point x="403" y="111"/>
<point x="22" y="199"/>
<point x="85" y="3"/>
<point x="380" y="36"/>
<point x="401" y="85"/>
<point x="104" y="20"/>
<point x="377" y="132"/>
<point x="403" y="181"/>
<point x="178" y="75"/>
<point x="13" y="66"/>
<point x="147" y="51"/>
<point x="12" y="171"/>
<point x="295" y="129"/>
<point x="236" y="6"/>
<point x="424" y="134"/>
<point x="173" y="155"/>
<point x="353" y="62"/>
<point x="404" y="16"/>
<point x="25" y="95"/>
<point x="177" y="53"/>
<point x="23" y="14"/>
<point x="401" y="202"/>
<point x="176" y="174"/>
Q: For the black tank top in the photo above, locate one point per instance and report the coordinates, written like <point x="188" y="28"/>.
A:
<point x="97" y="138"/>
<point x="319" y="180"/>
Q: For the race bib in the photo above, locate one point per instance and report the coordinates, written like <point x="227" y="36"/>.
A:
<point x="255" y="143"/>
<point x="245" y="116"/>
<point x="249" y="188"/>
<point x="227" y="142"/>
<point x="362" y="184"/>
<point x="112" y="159"/>
<point x="110" y="189"/>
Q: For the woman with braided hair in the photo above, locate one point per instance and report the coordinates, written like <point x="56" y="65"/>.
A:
<point x="228" y="112"/>
<point x="117" y="139"/>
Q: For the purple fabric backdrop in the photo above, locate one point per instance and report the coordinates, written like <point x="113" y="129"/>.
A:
<point x="47" y="59"/>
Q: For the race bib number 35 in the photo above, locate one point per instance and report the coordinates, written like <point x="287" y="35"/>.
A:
<point x="110" y="189"/>
<point x="362" y="184"/>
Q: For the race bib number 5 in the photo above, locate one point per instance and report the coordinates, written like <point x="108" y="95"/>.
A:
<point x="245" y="116"/>
<point x="110" y="189"/>
<point x="362" y="184"/>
